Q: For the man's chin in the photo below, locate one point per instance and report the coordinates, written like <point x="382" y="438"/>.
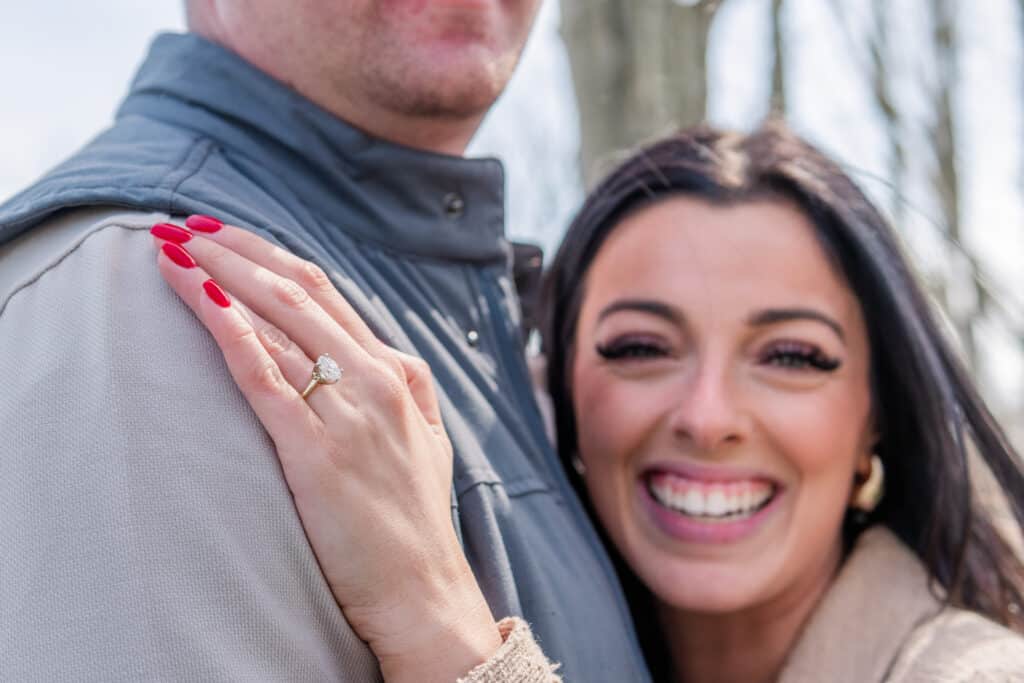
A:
<point x="452" y="106"/>
<point x="445" y="91"/>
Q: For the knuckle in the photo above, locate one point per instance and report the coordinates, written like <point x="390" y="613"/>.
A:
<point x="240" y="336"/>
<point x="313" y="277"/>
<point x="274" y="340"/>
<point x="388" y="390"/>
<point x="289" y="292"/>
<point x="265" y="378"/>
<point x="389" y="364"/>
<point x="418" y="368"/>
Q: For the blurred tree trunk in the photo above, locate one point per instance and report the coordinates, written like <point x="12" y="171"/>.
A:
<point x="1020" y="38"/>
<point x="872" y="56"/>
<point x="777" y="105"/>
<point x="639" y="69"/>
<point x="966" y="307"/>
<point x="879" y="46"/>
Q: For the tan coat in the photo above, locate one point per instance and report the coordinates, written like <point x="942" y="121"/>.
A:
<point x="879" y="622"/>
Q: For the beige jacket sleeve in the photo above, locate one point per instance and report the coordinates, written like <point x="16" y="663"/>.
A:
<point x="960" y="647"/>
<point x="880" y="622"/>
<point x="147" y="532"/>
<point x="518" y="660"/>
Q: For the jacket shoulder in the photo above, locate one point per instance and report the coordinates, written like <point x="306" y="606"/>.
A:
<point x="958" y="646"/>
<point x="137" y="164"/>
<point x="27" y="258"/>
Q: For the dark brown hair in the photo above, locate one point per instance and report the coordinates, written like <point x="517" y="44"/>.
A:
<point x="929" y="413"/>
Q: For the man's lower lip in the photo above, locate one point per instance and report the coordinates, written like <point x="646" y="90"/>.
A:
<point x="694" y="530"/>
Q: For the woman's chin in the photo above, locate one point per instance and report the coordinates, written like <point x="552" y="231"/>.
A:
<point x="708" y="587"/>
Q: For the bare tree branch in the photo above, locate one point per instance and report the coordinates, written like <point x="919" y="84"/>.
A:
<point x="777" y="107"/>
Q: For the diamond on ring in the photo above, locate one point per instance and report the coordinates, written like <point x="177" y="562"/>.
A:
<point x="325" y="371"/>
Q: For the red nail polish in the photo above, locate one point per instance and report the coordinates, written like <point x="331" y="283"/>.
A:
<point x="171" y="233"/>
<point x="177" y="254"/>
<point x="217" y="294"/>
<point x="203" y="223"/>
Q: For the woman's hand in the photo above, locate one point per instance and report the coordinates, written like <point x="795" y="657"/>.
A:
<point x="367" y="458"/>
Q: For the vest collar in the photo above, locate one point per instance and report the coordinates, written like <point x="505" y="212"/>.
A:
<point x="406" y="200"/>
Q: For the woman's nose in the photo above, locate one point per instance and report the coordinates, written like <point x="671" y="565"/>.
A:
<point x="708" y="412"/>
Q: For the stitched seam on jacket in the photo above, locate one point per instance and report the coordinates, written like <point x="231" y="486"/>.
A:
<point x="517" y="488"/>
<point x="43" y="270"/>
<point x="200" y="150"/>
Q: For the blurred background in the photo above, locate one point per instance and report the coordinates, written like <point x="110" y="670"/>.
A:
<point x="921" y="100"/>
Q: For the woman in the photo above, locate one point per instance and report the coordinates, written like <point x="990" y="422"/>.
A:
<point x="738" y="356"/>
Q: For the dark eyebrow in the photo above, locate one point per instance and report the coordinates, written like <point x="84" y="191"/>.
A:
<point x="651" y="306"/>
<point x="778" y="315"/>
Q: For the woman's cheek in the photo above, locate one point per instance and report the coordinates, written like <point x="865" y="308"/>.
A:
<point x="612" y="415"/>
<point x="821" y="444"/>
<point x="814" y="432"/>
<point x="595" y="408"/>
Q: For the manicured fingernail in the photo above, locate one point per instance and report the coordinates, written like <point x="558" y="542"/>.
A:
<point x="177" y="254"/>
<point x="203" y="223"/>
<point x="217" y="294"/>
<point x="171" y="233"/>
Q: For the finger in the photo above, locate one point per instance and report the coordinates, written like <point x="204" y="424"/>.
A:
<point x="307" y="275"/>
<point x="270" y="258"/>
<point x="257" y="374"/>
<point x="318" y="286"/>
<point x="283" y="303"/>
<point x="420" y="381"/>
<point x="296" y="366"/>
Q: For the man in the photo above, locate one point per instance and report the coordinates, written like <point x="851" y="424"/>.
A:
<point x="146" y="531"/>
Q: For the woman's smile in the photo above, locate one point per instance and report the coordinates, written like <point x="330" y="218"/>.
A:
<point x="711" y="501"/>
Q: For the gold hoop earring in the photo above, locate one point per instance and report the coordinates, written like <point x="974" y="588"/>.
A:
<point x="578" y="465"/>
<point x="870" y="491"/>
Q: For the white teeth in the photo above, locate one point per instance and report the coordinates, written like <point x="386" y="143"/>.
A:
<point x="716" y="505"/>
<point x="693" y="503"/>
<point x="710" y="501"/>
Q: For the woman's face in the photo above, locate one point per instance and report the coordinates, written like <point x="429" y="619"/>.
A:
<point x="721" y="395"/>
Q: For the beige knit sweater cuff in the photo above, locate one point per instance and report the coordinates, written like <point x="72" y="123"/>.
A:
<point x="518" y="660"/>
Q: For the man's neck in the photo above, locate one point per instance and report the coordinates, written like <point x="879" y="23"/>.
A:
<point x="437" y="134"/>
<point x="430" y="134"/>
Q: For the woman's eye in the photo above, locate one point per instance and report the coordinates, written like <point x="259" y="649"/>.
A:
<point x="631" y="349"/>
<point x="798" y="356"/>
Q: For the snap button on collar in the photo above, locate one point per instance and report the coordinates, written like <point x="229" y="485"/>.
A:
<point x="454" y="205"/>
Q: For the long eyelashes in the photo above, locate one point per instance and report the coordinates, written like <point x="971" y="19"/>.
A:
<point x="799" y="356"/>
<point x="788" y="355"/>
<point x="630" y="348"/>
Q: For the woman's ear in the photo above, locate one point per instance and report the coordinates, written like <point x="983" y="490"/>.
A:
<point x="862" y="470"/>
<point x="869" y="486"/>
